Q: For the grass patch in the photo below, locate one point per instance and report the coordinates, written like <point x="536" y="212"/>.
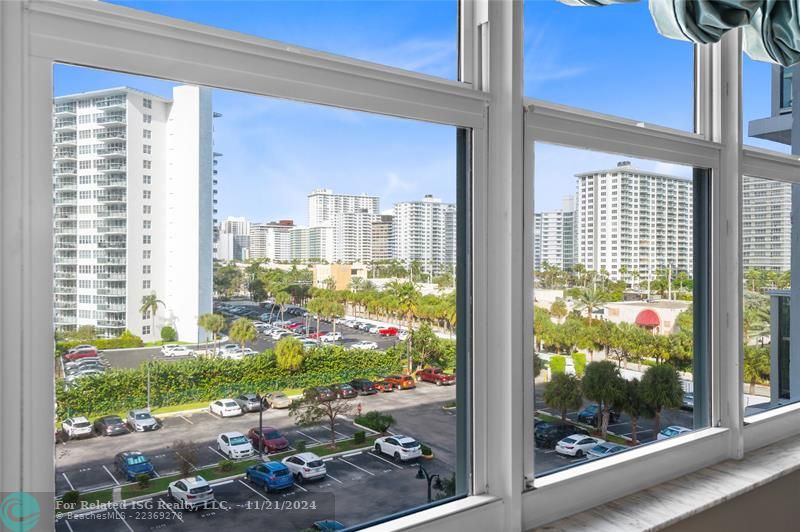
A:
<point x="159" y="343"/>
<point x="239" y="467"/>
<point x="95" y="498"/>
<point x="548" y="418"/>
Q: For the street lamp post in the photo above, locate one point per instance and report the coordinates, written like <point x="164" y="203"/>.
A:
<point x="422" y="474"/>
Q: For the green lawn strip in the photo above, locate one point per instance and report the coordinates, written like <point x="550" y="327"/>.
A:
<point x="239" y="467"/>
<point x="613" y="438"/>
<point x="547" y="418"/>
<point x="93" y="499"/>
<point x="159" y="343"/>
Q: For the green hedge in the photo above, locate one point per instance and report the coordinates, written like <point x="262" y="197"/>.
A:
<point x="579" y="359"/>
<point x="205" y="379"/>
<point x="120" y="342"/>
<point x="558" y="364"/>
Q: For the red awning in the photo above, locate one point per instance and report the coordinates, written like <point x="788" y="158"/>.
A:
<point x="648" y="318"/>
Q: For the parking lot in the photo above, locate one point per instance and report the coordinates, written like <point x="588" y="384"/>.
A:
<point x="87" y="465"/>
<point x="360" y="486"/>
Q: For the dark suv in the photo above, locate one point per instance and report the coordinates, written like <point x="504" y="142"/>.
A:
<point x="344" y="391"/>
<point x="320" y="393"/>
<point x="363" y="386"/>
<point x="546" y="435"/>
<point x="591" y="415"/>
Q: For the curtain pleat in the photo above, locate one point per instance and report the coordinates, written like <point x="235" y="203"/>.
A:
<point x="774" y="33"/>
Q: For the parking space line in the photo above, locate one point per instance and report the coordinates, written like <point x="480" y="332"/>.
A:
<point x="156" y="473"/>
<point x="334" y="478"/>
<point x="66" y="522"/>
<point x="187" y="461"/>
<point x="68" y="482"/>
<point x="243" y="483"/>
<point x="307" y="436"/>
<point x="186" y="420"/>
<point x="175" y="513"/>
<point x="123" y="518"/>
<point x="112" y="476"/>
<point x="217" y="452"/>
<point x="221" y="483"/>
<point x="351" y="454"/>
<point x="301" y="487"/>
<point x="384" y="459"/>
<point x="361" y="468"/>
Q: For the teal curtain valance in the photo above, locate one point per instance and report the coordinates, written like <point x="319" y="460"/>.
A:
<point x="771" y="27"/>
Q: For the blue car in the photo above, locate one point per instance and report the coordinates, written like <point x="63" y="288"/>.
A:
<point x="328" y="525"/>
<point x="130" y="464"/>
<point x="270" y="475"/>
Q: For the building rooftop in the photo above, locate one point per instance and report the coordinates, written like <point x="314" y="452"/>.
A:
<point x="661" y="303"/>
<point x="626" y="167"/>
<point x="102" y="92"/>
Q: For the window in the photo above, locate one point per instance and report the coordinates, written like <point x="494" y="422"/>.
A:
<point x="146" y="254"/>
<point x="146" y="239"/>
<point x="147" y="118"/>
<point x="146" y="133"/>
<point x="84" y="165"/>
<point x="146" y="209"/>
<point x="147" y="179"/>
<point x="146" y="164"/>
<point x="146" y="284"/>
<point x="146" y="148"/>
<point x="766" y="109"/>
<point x="147" y="103"/>
<point x="145" y="330"/>
<point x="146" y="194"/>
<point x="146" y="224"/>
<point x="146" y="269"/>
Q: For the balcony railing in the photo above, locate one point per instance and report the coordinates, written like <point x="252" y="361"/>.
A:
<point x="112" y="167"/>
<point x="112" y="213"/>
<point x="111" y="134"/>
<point x="112" y="260"/>
<point x="111" y="198"/>
<point x="64" y="154"/>
<point x="65" y="290"/>
<point x="114" y="276"/>
<point x="66" y="260"/>
<point x="65" y="304"/>
<point x="68" y="138"/>
<point x="117" y="307"/>
<point x="111" y="245"/>
<point x="113" y="101"/>
<point x="111" y="323"/>
<point x="64" y="109"/>
<point x="65" y="124"/>
<point x="65" y="170"/>
<point x="111" y="120"/>
<point x="112" y="152"/>
<point x="65" y="319"/>
<point x="112" y="292"/>
<point x="59" y="274"/>
<point x="112" y="229"/>
<point x="113" y="181"/>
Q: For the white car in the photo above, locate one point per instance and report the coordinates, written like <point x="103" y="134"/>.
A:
<point x="402" y="335"/>
<point x="280" y="333"/>
<point x="305" y="466"/>
<point x="191" y="492"/>
<point x="141" y="420"/>
<point x="77" y="427"/>
<point x="234" y="445"/>
<point x="398" y="446"/>
<point x="225" y="408"/>
<point x="227" y="347"/>
<point x="179" y="351"/>
<point x="671" y="432"/>
<point x="577" y="445"/>
<point x="364" y="344"/>
<point x="373" y="330"/>
<point x="234" y="354"/>
<point x="165" y="349"/>
<point x="331" y="337"/>
<point x="309" y="343"/>
<point x="248" y="352"/>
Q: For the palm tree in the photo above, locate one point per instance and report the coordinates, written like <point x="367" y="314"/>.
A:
<point x="406" y="296"/>
<point x="242" y="331"/>
<point x="282" y="299"/>
<point x="756" y="365"/>
<point x="214" y="324"/>
<point x="316" y="307"/>
<point x="150" y="304"/>
<point x="590" y="298"/>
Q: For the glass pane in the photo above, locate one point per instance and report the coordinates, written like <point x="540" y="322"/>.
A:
<point x="608" y="60"/>
<point x="418" y="35"/>
<point x="766" y="105"/>
<point x="767" y="232"/>
<point x="617" y="284"/>
<point x="210" y="246"/>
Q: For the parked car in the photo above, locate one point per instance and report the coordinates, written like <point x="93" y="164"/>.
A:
<point x="225" y="408"/>
<point x="83" y="372"/>
<point x="81" y="348"/>
<point x="272" y="440"/>
<point x="331" y="337"/>
<point x="234" y="445"/>
<point x="398" y="446"/>
<point x="77" y="427"/>
<point x="141" y="421"/>
<point x="671" y="432"/>
<point x="374" y="329"/>
<point x="305" y="466"/>
<point x="179" y="351"/>
<point x="591" y="415"/>
<point x="278" y="400"/>
<point x="277" y="335"/>
<point x="344" y="391"/>
<point x="250" y="402"/>
<point x="293" y="326"/>
<point x="363" y="386"/>
<point x="577" y="445"/>
<point x="364" y="344"/>
<point x="383" y="386"/>
<point x="401" y="382"/>
<point x="227" y="347"/>
<point x="81" y="353"/>
<point x="546" y="435"/>
<point x="130" y="464"/>
<point x="402" y="336"/>
<point x="83" y="362"/>
<point x="436" y="376"/>
<point x="319" y="393"/>
<point x="270" y="475"/>
<point x="328" y="525"/>
<point x="110" y="426"/>
<point x="308" y="343"/>
<point x="191" y="493"/>
<point x="688" y="401"/>
<point x="388" y="331"/>
<point x="166" y="348"/>
<point x="603" y="450"/>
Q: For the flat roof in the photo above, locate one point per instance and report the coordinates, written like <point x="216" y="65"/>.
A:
<point x="111" y="90"/>
<point x="661" y="303"/>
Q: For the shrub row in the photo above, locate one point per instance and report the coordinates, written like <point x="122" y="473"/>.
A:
<point x="120" y="342"/>
<point x="205" y="379"/>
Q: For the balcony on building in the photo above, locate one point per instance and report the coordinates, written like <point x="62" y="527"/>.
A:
<point x="111" y="135"/>
<point x="65" y="304"/>
<point x="110" y="229"/>
<point x="64" y="109"/>
<point x="110" y="167"/>
<point x="65" y="274"/>
<point x="112" y="197"/>
<point x="65" y="154"/>
<point x="118" y="179"/>
<point x="112" y="292"/>
<point x="66" y="139"/>
<point x="111" y="120"/>
<point x="65" y="170"/>
<point x="112" y="150"/>
<point x="65" y="124"/>
<point x="105" y="212"/>
<point x="111" y="102"/>
<point x="112" y="244"/>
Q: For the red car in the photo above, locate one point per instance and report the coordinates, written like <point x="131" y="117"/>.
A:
<point x="401" y="382"/>
<point x="81" y="353"/>
<point x="383" y="386"/>
<point x="272" y="440"/>
<point x="318" y="334"/>
<point x="389" y="331"/>
<point x="293" y="326"/>
<point x="436" y="376"/>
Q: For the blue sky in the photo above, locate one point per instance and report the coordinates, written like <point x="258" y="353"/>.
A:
<point x="609" y="60"/>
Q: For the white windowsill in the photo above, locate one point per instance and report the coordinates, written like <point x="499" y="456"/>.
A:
<point x="670" y="502"/>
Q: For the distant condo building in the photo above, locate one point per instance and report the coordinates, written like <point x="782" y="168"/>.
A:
<point x="382" y="242"/>
<point x="271" y="240"/>
<point x="233" y="239"/>
<point x="324" y="205"/>
<point x="133" y="209"/>
<point x="425" y="231"/>
<point x="313" y="244"/>
<point x="350" y="217"/>
<point x="554" y="237"/>
<point x="635" y="219"/>
<point x="766" y="224"/>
